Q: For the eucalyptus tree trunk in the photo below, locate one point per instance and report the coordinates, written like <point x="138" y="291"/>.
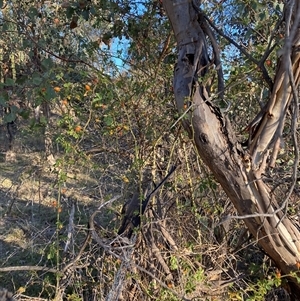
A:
<point x="239" y="171"/>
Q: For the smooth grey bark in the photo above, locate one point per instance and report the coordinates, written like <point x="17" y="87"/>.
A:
<point x="239" y="172"/>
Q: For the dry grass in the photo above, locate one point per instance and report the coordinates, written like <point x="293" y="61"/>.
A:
<point x="181" y="253"/>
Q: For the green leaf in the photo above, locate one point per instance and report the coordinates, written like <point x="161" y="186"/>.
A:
<point x="21" y="80"/>
<point x="37" y="79"/>
<point x="10" y="117"/>
<point x="24" y="114"/>
<point x="108" y="120"/>
<point x="3" y="99"/>
<point x="38" y="101"/>
<point x="5" y="26"/>
<point x="27" y="43"/>
<point x="93" y="11"/>
<point x="173" y="263"/>
<point x="70" y="12"/>
<point x="43" y="120"/>
<point x="98" y="98"/>
<point x="47" y="63"/>
<point x="9" y="82"/>
<point x="85" y="15"/>
<point x="14" y="109"/>
<point x="263" y="15"/>
<point x="50" y="93"/>
<point x="33" y="12"/>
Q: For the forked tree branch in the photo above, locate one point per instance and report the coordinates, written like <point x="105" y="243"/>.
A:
<point x="258" y="63"/>
<point x="240" y="174"/>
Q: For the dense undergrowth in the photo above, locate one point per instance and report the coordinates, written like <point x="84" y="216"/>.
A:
<point x="80" y="136"/>
<point x="186" y="248"/>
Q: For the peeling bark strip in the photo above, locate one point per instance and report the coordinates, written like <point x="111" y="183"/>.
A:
<point x="216" y="142"/>
<point x="272" y="117"/>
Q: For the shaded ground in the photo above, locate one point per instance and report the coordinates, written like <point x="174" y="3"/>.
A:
<point x="35" y="215"/>
<point x="41" y="206"/>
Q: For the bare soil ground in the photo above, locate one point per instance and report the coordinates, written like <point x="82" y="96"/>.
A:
<point x="44" y="213"/>
<point x="32" y="203"/>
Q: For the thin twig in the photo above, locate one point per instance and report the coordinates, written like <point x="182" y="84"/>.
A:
<point x="70" y="228"/>
<point x="90" y="233"/>
<point x="28" y="268"/>
<point x="243" y="51"/>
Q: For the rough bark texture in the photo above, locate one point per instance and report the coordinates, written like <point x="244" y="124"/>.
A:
<point x="238" y="173"/>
